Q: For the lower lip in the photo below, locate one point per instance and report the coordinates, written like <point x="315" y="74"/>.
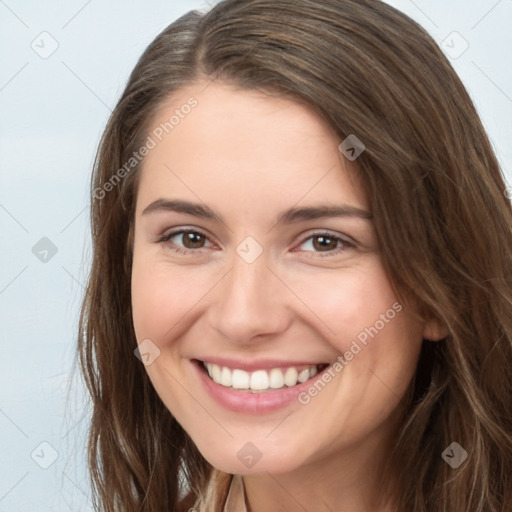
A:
<point x="251" y="403"/>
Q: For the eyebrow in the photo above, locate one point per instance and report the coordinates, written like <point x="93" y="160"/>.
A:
<point x="289" y="216"/>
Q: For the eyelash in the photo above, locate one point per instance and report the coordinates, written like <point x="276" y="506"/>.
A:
<point x="165" y="239"/>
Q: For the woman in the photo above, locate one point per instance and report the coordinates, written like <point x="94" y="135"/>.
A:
<point x="302" y="233"/>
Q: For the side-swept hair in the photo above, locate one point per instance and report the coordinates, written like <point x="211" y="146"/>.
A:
<point x="441" y="214"/>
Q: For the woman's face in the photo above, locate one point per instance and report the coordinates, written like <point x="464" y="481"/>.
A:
<point x="255" y="256"/>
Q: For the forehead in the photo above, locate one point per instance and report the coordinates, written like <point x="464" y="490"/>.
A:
<point x="214" y="141"/>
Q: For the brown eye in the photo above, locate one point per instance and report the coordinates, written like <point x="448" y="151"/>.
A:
<point x="193" y="240"/>
<point x="324" y="243"/>
<point x="185" y="240"/>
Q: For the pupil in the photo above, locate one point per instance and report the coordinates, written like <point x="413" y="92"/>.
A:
<point x="193" y="240"/>
<point x="323" y="243"/>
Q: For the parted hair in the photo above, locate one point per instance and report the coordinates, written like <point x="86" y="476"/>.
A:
<point x="443" y="222"/>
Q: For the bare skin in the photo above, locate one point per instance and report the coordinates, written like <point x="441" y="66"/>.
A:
<point x="249" y="157"/>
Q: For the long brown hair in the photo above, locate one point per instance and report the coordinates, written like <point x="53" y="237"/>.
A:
<point x="441" y="214"/>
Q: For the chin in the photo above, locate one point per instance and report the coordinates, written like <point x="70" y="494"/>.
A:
<point x="249" y="460"/>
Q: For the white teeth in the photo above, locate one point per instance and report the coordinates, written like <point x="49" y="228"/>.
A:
<point x="215" y="374"/>
<point x="290" y="377"/>
<point x="276" y="378"/>
<point x="259" y="380"/>
<point x="240" y="379"/>
<point x="303" y="375"/>
<point x="225" y="377"/>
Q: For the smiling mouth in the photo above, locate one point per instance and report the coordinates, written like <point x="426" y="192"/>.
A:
<point x="260" y="381"/>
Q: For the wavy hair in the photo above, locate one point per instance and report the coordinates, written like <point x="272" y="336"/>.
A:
<point x="443" y="223"/>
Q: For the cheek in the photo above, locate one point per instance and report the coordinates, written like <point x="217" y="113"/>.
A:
<point x="377" y="340"/>
<point x="162" y="298"/>
<point x="168" y="299"/>
<point x="349" y="301"/>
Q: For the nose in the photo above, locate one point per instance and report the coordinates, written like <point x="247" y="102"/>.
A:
<point x="249" y="302"/>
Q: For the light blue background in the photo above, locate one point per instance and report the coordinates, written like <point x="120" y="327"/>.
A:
<point x="52" y="114"/>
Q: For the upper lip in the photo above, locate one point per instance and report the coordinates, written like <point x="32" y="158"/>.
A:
<point x="262" y="364"/>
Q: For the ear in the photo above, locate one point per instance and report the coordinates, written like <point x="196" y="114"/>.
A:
<point x="434" y="330"/>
